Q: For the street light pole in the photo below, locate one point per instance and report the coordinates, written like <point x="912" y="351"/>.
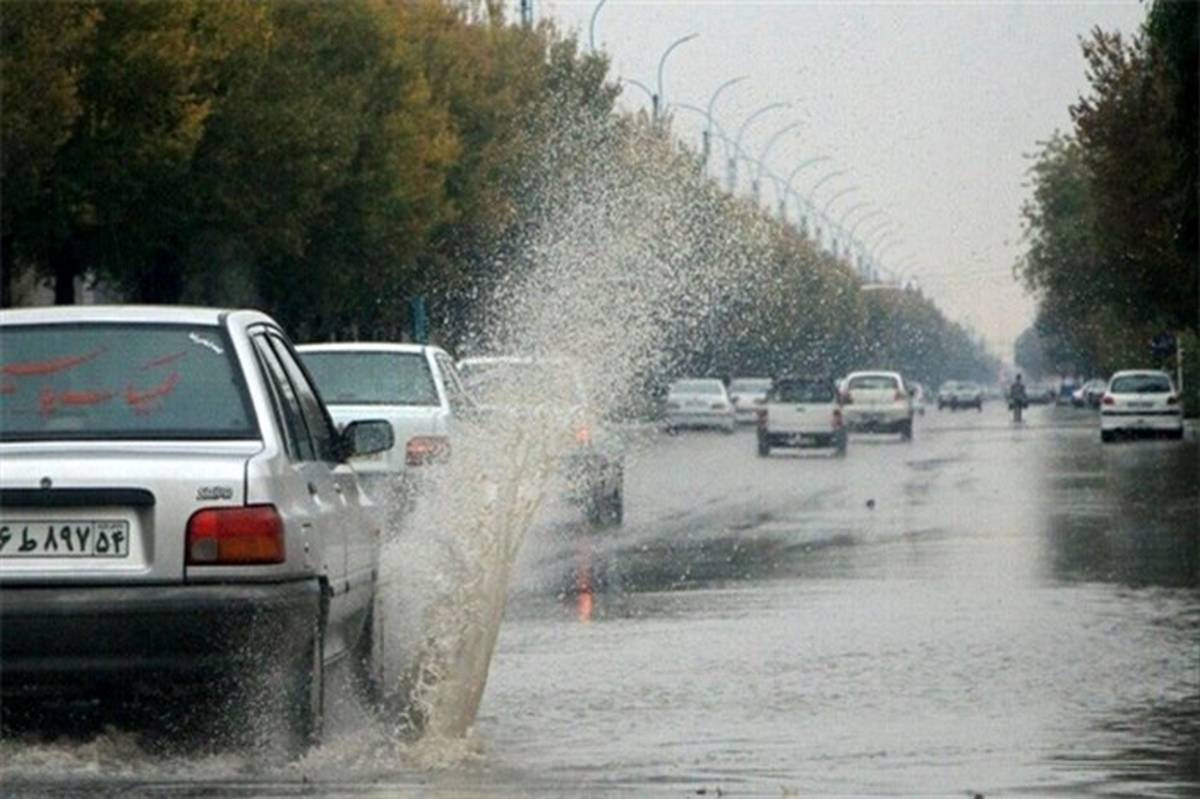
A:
<point x="708" y="113"/>
<point x="649" y="92"/>
<point x="791" y="178"/>
<point x="766" y="150"/>
<point x="592" y="26"/>
<point x="742" y="132"/>
<point x="660" y="103"/>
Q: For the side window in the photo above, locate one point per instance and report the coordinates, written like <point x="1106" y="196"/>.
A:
<point x="324" y="437"/>
<point x="455" y="394"/>
<point x="291" y="417"/>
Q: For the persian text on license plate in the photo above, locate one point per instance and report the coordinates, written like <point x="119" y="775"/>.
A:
<point x="21" y="538"/>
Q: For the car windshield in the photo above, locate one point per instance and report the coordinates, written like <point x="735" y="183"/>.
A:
<point x="521" y="382"/>
<point x="1141" y="384"/>
<point x="706" y="387"/>
<point x="749" y="386"/>
<point x="803" y="391"/>
<point x="358" y="377"/>
<point x="121" y="381"/>
<point x="873" y="382"/>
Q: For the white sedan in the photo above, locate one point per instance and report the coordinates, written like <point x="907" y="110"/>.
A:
<point x="1140" y="401"/>
<point x="699" y="403"/>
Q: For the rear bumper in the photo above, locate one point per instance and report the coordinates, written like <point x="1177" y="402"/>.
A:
<point x="875" y="419"/>
<point x="1149" y="422"/>
<point x="699" y="419"/>
<point x="58" y="640"/>
<point x="801" y="439"/>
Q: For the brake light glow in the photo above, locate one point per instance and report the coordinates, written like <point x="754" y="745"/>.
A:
<point x="421" y="450"/>
<point x="1108" y="400"/>
<point x="252" y="534"/>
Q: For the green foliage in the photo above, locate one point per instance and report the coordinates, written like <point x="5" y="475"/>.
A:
<point x="1111" y="222"/>
<point x="327" y="161"/>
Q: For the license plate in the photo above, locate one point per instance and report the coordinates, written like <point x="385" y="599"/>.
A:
<point x="62" y="538"/>
<point x="1141" y="405"/>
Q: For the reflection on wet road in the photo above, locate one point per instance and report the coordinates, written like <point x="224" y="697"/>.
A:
<point x="989" y="608"/>
<point x="1008" y="610"/>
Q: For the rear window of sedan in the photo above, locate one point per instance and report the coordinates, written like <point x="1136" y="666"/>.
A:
<point x="713" y="387"/>
<point x="121" y="381"/>
<point x="1141" y="384"/>
<point x="803" y="391"/>
<point x="349" y="377"/>
<point x="873" y="382"/>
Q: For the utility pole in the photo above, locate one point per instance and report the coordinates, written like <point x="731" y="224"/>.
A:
<point x="527" y="13"/>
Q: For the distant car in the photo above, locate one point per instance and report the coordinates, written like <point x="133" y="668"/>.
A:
<point x="1040" y="394"/>
<point x="877" y="402"/>
<point x="956" y="394"/>
<point x="552" y="391"/>
<point x="1140" y="402"/>
<point x="177" y="512"/>
<point x="1066" y="392"/>
<point x="1089" y="394"/>
<point x="699" y="403"/>
<point x="748" y="395"/>
<point x="802" y="412"/>
<point x="413" y="386"/>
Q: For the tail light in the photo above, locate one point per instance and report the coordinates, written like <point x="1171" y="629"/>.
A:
<point x="1173" y="400"/>
<point x="583" y="435"/>
<point x="837" y="418"/>
<point x="426" y="449"/>
<point x="1108" y="400"/>
<point x="237" y="535"/>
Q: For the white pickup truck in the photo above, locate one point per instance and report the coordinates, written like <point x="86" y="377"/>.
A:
<point x="801" y="412"/>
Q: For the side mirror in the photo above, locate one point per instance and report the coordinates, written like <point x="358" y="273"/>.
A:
<point x="367" y="437"/>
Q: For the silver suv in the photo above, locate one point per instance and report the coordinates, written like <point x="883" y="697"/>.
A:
<point x="176" y="510"/>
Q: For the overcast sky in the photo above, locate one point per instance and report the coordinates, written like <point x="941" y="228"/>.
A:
<point x="930" y="107"/>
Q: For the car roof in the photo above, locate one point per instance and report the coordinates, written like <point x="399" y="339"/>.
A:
<point x="1141" y="373"/>
<point x="368" y="346"/>
<point x="522" y="360"/>
<point x="136" y="314"/>
<point x="874" y="374"/>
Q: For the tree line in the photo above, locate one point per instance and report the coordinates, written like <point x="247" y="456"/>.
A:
<point x="329" y="162"/>
<point x="1112" y="221"/>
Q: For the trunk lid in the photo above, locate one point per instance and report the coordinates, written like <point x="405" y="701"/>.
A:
<point x="407" y="421"/>
<point x="110" y="512"/>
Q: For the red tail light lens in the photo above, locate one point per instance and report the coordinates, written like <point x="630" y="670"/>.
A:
<point x="229" y="536"/>
<point x="421" y="450"/>
<point x="1108" y="400"/>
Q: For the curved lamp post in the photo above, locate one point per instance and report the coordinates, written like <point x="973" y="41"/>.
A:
<point x="742" y="132"/>
<point x="649" y="92"/>
<point x="660" y="103"/>
<point x="708" y="112"/>
<point x="592" y="25"/>
<point x="766" y="150"/>
<point x="791" y="179"/>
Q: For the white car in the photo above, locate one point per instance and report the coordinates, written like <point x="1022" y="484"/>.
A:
<point x="955" y="394"/>
<point x="748" y="394"/>
<point x="552" y="390"/>
<point x="177" y="510"/>
<point x="415" y="387"/>
<point x="700" y="402"/>
<point x="1140" y="401"/>
<point x="877" y="402"/>
<point x="802" y="412"/>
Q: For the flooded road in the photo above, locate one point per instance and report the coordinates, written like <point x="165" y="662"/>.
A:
<point x="992" y="609"/>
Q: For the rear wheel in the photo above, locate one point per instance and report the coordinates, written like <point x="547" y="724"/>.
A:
<point x="1108" y="436"/>
<point x="1175" y="435"/>
<point x="304" y="693"/>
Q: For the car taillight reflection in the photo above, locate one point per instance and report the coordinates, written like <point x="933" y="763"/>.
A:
<point x="235" y="536"/>
<point x="426" y="449"/>
<point x="1108" y="400"/>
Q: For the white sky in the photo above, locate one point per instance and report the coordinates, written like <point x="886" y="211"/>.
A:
<point x="930" y="107"/>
